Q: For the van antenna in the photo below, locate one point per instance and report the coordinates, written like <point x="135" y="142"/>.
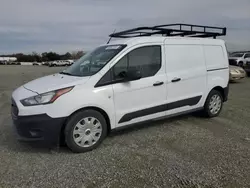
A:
<point x="111" y="37"/>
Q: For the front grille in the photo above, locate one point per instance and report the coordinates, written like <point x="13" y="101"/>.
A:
<point x="14" y="108"/>
<point x="232" y="62"/>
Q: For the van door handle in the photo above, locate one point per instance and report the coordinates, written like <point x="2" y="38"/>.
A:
<point x="158" y="83"/>
<point x="176" y="80"/>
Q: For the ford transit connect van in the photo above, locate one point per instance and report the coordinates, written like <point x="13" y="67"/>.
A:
<point x="124" y="82"/>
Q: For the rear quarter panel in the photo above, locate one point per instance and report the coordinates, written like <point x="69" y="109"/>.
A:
<point x="217" y="65"/>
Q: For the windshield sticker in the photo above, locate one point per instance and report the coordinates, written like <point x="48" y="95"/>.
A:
<point x="113" y="47"/>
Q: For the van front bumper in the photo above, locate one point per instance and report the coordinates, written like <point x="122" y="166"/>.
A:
<point x="38" y="128"/>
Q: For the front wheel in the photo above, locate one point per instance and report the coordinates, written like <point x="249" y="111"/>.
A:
<point x="213" y="104"/>
<point x="85" y="130"/>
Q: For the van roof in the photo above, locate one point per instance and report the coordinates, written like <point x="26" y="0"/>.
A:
<point x="160" y="39"/>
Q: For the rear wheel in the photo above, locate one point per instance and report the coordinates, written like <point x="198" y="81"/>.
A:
<point x="240" y="64"/>
<point x="213" y="104"/>
<point x="85" y="130"/>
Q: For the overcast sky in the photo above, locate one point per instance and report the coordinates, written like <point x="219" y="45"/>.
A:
<point x="67" y="25"/>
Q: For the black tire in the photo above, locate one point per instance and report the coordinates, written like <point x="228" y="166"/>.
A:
<point x="248" y="74"/>
<point x="71" y="123"/>
<point x="240" y="64"/>
<point x="207" y="112"/>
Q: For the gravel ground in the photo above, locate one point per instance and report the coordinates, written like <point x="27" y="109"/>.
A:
<point x="187" y="151"/>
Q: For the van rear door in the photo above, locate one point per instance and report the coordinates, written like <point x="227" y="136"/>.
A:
<point x="186" y="76"/>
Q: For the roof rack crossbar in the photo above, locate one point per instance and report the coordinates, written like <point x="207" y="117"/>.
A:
<point x="190" y="25"/>
<point x="173" y="30"/>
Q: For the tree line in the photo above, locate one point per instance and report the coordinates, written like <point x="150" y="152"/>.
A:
<point x="45" y="56"/>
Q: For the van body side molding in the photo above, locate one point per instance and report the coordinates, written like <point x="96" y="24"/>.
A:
<point x="161" y="108"/>
<point x="217" y="69"/>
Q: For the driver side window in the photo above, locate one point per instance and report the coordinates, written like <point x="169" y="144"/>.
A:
<point x="146" y="59"/>
<point x="121" y="66"/>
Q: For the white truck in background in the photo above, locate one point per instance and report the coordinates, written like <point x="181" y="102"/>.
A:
<point x="60" y="63"/>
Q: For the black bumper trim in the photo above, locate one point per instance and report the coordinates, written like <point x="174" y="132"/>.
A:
<point x="217" y="69"/>
<point x="38" y="128"/>
<point x="161" y="108"/>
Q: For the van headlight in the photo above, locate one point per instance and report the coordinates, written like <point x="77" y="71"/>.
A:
<point x="45" y="98"/>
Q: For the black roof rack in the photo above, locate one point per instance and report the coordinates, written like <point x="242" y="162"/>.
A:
<point x="170" y="30"/>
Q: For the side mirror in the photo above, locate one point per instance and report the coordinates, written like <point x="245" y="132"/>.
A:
<point x="130" y="75"/>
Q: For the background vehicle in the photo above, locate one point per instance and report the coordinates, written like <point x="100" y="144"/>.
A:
<point x="61" y="63"/>
<point x="37" y="63"/>
<point x="7" y="60"/>
<point x="12" y="63"/>
<point x="46" y="63"/>
<point x="53" y="63"/>
<point x="69" y="62"/>
<point x="125" y="82"/>
<point x="246" y="66"/>
<point x="3" y="62"/>
<point x="239" y="58"/>
<point x="236" y="73"/>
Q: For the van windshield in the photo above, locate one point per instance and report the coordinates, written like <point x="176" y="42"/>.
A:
<point x="237" y="55"/>
<point x="93" y="61"/>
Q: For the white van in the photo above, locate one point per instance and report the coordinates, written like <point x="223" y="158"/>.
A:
<point x="122" y="83"/>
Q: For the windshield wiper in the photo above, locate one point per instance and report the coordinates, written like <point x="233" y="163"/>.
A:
<point x="66" y="73"/>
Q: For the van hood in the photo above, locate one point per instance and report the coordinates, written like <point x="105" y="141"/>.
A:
<point x="54" y="82"/>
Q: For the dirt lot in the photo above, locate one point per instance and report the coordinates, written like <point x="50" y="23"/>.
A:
<point x="187" y="151"/>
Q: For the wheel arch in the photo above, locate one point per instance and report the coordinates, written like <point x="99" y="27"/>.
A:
<point x="105" y="115"/>
<point x="240" y="63"/>
<point x="221" y="90"/>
